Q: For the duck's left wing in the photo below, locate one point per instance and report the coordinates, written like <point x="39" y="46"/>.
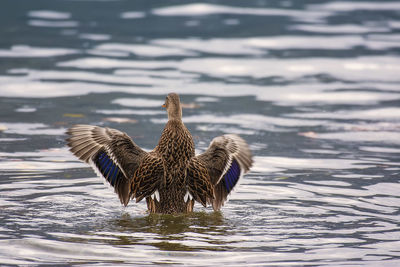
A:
<point x="227" y="158"/>
<point x="110" y="152"/>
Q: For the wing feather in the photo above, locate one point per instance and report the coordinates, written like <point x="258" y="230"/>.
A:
<point x="110" y="152"/>
<point x="149" y="177"/>
<point x="198" y="183"/>
<point x="227" y="159"/>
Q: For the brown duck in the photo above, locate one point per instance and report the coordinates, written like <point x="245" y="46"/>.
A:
<point x="171" y="177"/>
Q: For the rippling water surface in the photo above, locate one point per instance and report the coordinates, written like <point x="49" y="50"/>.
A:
<point x="313" y="86"/>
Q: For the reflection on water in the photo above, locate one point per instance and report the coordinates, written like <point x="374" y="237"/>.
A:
<point x="165" y="232"/>
<point x="168" y="225"/>
<point x="312" y="87"/>
<point x="199" y="227"/>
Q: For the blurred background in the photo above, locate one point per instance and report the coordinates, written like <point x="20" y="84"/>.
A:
<point x="313" y="86"/>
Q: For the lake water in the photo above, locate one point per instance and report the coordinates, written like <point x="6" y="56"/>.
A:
<point x="313" y="86"/>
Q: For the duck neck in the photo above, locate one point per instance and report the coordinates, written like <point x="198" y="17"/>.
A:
<point x="175" y="114"/>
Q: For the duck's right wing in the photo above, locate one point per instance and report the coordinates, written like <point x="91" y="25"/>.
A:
<point x="117" y="158"/>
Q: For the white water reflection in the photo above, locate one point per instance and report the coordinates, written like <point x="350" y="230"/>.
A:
<point x="381" y="149"/>
<point x="49" y="14"/>
<point x="143" y="50"/>
<point x="38" y="161"/>
<point x="27" y="165"/>
<point x="253" y="45"/>
<point x="26" y="109"/>
<point x="340" y="29"/>
<point x="283" y="95"/>
<point x="107" y="63"/>
<point x="353" y="6"/>
<point x="251" y="121"/>
<point x="202" y="9"/>
<point x="380" y="114"/>
<point x="133" y="15"/>
<point x="130" y="112"/>
<point x="95" y="36"/>
<point x="138" y="102"/>
<point x="382" y="69"/>
<point x="307" y="163"/>
<point x="213" y="46"/>
<point x="133" y="78"/>
<point x="53" y="24"/>
<point x="364" y="136"/>
<point x="30" y="128"/>
<point x="21" y="51"/>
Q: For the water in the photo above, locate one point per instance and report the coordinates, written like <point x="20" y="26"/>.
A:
<point x="313" y="86"/>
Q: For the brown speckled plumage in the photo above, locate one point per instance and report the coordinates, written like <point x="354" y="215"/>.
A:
<point x="171" y="177"/>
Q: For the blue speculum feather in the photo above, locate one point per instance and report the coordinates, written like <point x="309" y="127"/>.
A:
<point x="232" y="175"/>
<point x="110" y="173"/>
<point x="102" y="157"/>
<point x="107" y="167"/>
<point x="114" y="176"/>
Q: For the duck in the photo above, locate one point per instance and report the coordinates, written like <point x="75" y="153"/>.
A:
<point x="171" y="178"/>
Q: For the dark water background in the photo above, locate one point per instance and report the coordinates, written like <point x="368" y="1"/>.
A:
<point x="313" y="86"/>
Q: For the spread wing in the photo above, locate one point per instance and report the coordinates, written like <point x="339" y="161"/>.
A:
<point x="227" y="159"/>
<point x="115" y="157"/>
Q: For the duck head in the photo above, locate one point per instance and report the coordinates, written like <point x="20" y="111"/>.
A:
<point x="173" y="106"/>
